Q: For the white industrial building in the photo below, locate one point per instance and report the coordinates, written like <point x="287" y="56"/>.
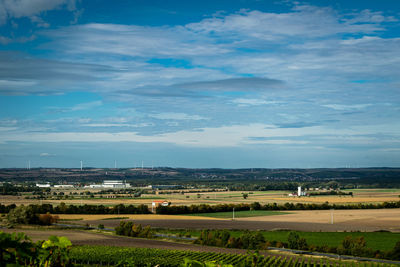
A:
<point x="110" y="184"/>
<point x="63" y="186"/>
<point x="115" y="184"/>
<point x="46" y="185"/>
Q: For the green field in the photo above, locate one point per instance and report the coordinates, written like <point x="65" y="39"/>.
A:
<point x="103" y="255"/>
<point x="376" y="240"/>
<point x="239" y="214"/>
<point x="383" y="241"/>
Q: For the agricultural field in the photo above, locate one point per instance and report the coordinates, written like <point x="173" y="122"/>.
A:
<point x="227" y="197"/>
<point x="239" y="214"/>
<point x="303" y="220"/>
<point x="145" y="257"/>
<point x="94" y="248"/>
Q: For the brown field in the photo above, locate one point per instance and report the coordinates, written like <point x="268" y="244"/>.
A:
<point x="359" y="196"/>
<point x="89" y="217"/>
<point x="379" y="219"/>
<point x="344" y="220"/>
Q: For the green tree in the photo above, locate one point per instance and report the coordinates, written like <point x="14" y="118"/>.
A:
<point x="22" y="215"/>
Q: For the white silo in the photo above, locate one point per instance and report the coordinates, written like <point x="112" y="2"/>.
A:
<point x="299" y="191"/>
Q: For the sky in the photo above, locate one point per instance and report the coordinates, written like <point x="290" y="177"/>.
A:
<point x="200" y="84"/>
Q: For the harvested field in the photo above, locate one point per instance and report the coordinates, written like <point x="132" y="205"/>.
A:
<point x="344" y="220"/>
<point x="89" y="217"/>
<point x="388" y="219"/>
<point x="233" y="197"/>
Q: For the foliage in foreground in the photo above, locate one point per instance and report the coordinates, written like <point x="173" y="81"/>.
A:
<point x="18" y="250"/>
<point x="122" y="256"/>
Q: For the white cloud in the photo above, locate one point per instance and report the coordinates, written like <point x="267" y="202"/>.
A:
<point x="88" y="105"/>
<point x="243" y="102"/>
<point x="177" y="116"/>
<point x="7" y="129"/>
<point x="45" y="154"/>
<point x="28" y="8"/>
<point x="347" y="107"/>
<point x="77" y="107"/>
<point x="117" y="125"/>
<point x="224" y="136"/>
<point x="304" y="20"/>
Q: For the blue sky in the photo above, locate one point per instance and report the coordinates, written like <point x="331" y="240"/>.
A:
<point x="229" y="84"/>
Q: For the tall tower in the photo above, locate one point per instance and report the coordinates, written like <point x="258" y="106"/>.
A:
<point x="81" y="165"/>
<point x="299" y="191"/>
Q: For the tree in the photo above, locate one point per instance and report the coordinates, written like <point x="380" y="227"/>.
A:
<point x="394" y="254"/>
<point x="297" y="242"/>
<point x="293" y="239"/>
<point x="245" y="195"/>
<point x="22" y="215"/>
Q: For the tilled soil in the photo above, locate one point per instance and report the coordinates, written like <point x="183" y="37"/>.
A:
<point x="239" y="224"/>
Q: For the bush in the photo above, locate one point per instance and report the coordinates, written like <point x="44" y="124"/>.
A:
<point x="47" y="219"/>
<point x="394" y="254"/>
<point x="134" y="230"/>
<point x="296" y="242"/>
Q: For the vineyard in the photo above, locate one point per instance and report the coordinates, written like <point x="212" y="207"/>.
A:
<point x="105" y="256"/>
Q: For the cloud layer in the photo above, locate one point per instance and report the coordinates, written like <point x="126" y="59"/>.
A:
<point x="310" y="77"/>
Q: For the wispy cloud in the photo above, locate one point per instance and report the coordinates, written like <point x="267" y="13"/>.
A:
<point x="77" y="107"/>
<point x="244" y="102"/>
<point x="347" y="107"/>
<point x="177" y="116"/>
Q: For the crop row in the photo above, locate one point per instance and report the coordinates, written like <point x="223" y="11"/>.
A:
<point x="103" y="255"/>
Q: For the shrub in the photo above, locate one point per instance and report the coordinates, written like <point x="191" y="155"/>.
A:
<point x="47" y="219"/>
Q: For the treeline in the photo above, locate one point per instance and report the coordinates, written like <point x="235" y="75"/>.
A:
<point x="205" y="208"/>
<point x="331" y="193"/>
<point x="353" y="246"/>
<point x="84" y="209"/>
<point x="222" y="238"/>
<point x="202" y="208"/>
<point x="9" y="189"/>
